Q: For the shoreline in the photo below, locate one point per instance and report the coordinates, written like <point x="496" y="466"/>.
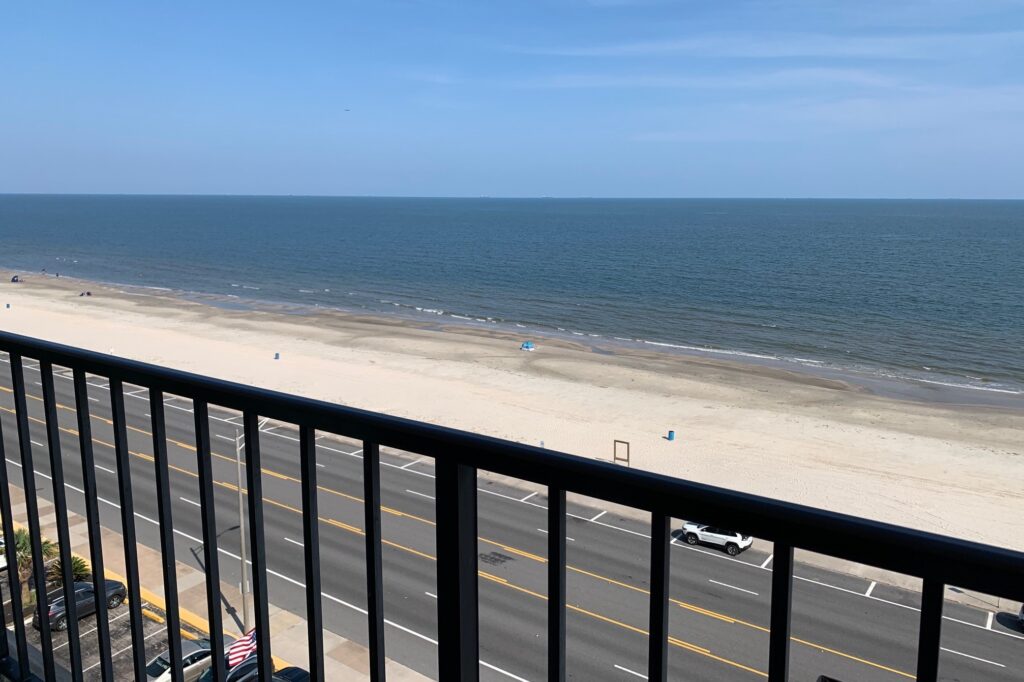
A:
<point x="878" y="382"/>
<point x="771" y="431"/>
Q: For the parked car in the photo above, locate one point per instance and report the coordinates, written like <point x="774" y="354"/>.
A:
<point x="246" y="671"/>
<point x="733" y="542"/>
<point x="84" y="603"/>
<point x="195" y="659"/>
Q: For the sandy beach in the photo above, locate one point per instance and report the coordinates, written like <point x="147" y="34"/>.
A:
<point x="948" y="469"/>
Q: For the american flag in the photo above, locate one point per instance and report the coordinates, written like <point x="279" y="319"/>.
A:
<point x="241" y="648"/>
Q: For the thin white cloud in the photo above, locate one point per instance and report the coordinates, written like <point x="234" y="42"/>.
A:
<point x="797" y="45"/>
<point x="778" y="79"/>
<point x="983" y="114"/>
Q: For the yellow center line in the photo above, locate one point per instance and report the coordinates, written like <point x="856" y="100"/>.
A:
<point x="855" y="658"/>
<point x="675" y="641"/>
<point x="690" y="607"/>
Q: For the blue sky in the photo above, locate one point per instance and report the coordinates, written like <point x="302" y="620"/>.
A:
<point x="787" y="98"/>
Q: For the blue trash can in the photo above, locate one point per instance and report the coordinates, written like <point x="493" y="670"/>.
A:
<point x="671" y="435"/>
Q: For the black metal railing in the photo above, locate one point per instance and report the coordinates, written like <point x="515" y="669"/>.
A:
<point x="937" y="560"/>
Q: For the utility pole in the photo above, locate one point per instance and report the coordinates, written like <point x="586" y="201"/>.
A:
<point x="241" y="530"/>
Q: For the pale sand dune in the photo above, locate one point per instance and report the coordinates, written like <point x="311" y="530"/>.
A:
<point x="945" y="469"/>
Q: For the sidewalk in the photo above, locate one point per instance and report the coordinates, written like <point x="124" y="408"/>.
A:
<point x="343" y="658"/>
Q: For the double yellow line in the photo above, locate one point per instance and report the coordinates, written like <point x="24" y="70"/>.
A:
<point x="495" y="579"/>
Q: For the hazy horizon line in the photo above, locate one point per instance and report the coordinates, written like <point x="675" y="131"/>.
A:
<point x="510" y="196"/>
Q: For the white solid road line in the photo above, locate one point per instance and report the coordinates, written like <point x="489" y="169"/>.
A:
<point x="528" y="497"/>
<point x="92" y="630"/>
<point x="526" y="500"/>
<point x="973" y="658"/>
<point x="598" y="515"/>
<point x="631" y="672"/>
<point x="302" y="585"/>
<point x="566" y="537"/>
<point x="413" y="492"/>
<point x="767" y="561"/>
<point x="871" y="588"/>
<point x="103" y="468"/>
<point x="732" y="587"/>
<point x="230" y="440"/>
<point x="294" y="542"/>
<point x="192" y="502"/>
<point x="988" y="623"/>
<point x="127" y="648"/>
<point x="415" y="461"/>
<point x="431" y="595"/>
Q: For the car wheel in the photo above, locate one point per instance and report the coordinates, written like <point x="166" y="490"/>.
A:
<point x="114" y="601"/>
<point x="60" y="624"/>
<point x="691" y="538"/>
<point x="732" y="549"/>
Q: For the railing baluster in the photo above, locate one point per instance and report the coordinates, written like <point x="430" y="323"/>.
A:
<point x="781" y="614"/>
<point x="207" y="507"/>
<point x="657" y="641"/>
<point x="374" y="574"/>
<point x="163" y="505"/>
<point x="556" y="584"/>
<point x="60" y="507"/>
<point x="32" y="511"/>
<point x="311" y="547"/>
<point x="92" y="516"/>
<point x="254" y="482"/>
<point x="10" y="553"/>
<point x="930" y="632"/>
<point x="131" y="559"/>
<point x="457" y="616"/>
<point x="5" y="646"/>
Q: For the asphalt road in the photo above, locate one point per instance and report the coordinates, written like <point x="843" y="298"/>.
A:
<point x="843" y="626"/>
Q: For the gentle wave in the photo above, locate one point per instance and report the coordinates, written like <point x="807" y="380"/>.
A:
<point x="920" y="292"/>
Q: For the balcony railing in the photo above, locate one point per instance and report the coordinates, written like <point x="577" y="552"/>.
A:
<point x="939" y="561"/>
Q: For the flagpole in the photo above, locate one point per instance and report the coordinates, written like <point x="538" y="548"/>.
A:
<point x="241" y="531"/>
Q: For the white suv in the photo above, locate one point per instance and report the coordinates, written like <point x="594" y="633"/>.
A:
<point x="733" y="542"/>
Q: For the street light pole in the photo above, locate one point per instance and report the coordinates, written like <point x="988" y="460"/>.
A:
<point x="241" y="532"/>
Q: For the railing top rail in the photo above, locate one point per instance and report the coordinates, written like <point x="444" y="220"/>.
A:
<point x="949" y="560"/>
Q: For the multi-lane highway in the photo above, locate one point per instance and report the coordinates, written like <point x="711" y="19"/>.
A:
<point x="843" y="626"/>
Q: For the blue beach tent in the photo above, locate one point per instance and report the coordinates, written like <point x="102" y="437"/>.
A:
<point x="527" y="345"/>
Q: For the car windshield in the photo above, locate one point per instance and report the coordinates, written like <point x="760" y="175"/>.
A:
<point x="157" y="666"/>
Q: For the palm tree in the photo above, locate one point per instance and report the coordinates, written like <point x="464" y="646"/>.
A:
<point x="23" y="552"/>
<point x="80" y="571"/>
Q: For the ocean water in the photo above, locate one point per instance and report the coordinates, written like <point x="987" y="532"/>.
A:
<point x="927" y="292"/>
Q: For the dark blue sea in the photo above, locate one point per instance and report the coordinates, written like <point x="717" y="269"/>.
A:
<point x="926" y="291"/>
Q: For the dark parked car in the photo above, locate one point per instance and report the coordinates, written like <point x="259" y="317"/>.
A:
<point x="246" y="672"/>
<point x="116" y="594"/>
